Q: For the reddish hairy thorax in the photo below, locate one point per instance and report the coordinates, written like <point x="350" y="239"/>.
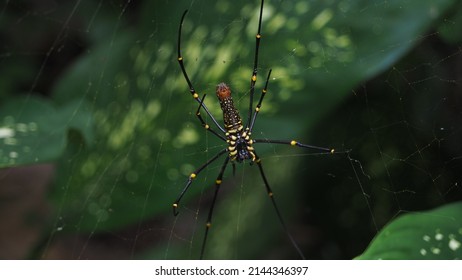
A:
<point x="223" y="91"/>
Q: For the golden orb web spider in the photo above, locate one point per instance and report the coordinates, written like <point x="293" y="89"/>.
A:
<point x="236" y="134"/>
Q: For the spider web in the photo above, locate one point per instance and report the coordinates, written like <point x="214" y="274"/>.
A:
<point x="98" y="131"/>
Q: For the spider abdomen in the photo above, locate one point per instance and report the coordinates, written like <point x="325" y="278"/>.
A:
<point x="240" y="145"/>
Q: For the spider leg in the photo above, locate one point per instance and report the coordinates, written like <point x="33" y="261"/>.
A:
<point x="204" y="124"/>
<point x="193" y="92"/>
<point x="281" y="220"/>
<point x="208" y="224"/>
<point x="294" y="143"/>
<point x="192" y="176"/>
<point x="257" y="109"/>
<point x="253" y="79"/>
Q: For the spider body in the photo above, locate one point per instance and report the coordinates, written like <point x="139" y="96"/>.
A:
<point x="239" y="143"/>
<point x="236" y="135"/>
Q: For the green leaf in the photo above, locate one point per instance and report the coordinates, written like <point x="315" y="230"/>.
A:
<point x="32" y="130"/>
<point x="128" y="171"/>
<point x="434" y="234"/>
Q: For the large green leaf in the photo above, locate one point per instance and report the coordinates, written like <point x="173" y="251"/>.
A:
<point x="33" y="131"/>
<point x="434" y="234"/>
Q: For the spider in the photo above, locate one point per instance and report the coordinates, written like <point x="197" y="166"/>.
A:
<point x="237" y="135"/>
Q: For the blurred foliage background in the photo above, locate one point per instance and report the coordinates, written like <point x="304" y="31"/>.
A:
<point x="98" y="132"/>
